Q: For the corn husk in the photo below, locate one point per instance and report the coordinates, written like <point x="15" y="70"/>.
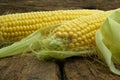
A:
<point x="108" y="40"/>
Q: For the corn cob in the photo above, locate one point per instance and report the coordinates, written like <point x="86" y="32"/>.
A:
<point x="80" y="32"/>
<point x="75" y="34"/>
<point x="14" y="27"/>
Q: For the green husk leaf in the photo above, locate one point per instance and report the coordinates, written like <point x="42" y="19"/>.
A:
<point x="22" y="46"/>
<point x="46" y="54"/>
<point x="108" y="40"/>
<point x="107" y="55"/>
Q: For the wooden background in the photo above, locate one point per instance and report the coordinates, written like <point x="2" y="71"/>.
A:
<point x="28" y="67"/>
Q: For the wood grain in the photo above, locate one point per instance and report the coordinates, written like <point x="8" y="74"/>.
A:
<point x="87" y="69"/>
<point x="28" y="67"/>
<point x="13" y="6"/>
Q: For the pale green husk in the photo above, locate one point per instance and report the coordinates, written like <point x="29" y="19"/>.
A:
<point x="108" y="40"/>
<point x="22" y="46"/>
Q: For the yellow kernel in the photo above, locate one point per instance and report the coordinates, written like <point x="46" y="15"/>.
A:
<point x="86" y="41"/>
<point x="87" y="35"/>
<point x="79" y="39"/>
<point x="77" y="44"/>
<point x="37" y="26"/>
<point x="90" y="34"/>
<point x="1" y="33"/>
<point x="74" y="40"/>
<point x="34" y="27"/>
<point x="84" y="37"/>
<point x="16" y="33"/>
<point x="19" y="33"/>
<point x="22" y="28"/>
<point x="33" y="21"/>
<point x="92" y="27"/>
<point x="16" y="23"/>
<point x="71" y="34"/>
<point x="89" y="40"/>
<point x="3" y="29"/>
<point x="71" y="45"/>
<point x="29" y="32"/>
<point x="74" y="29"/>
<point x="93" y="32"/>
<point x="12" y="34"/>
<point x="75" y="35"/>
<point x="88" y="29"/>
<point x="61" y="29"/>
<point x="5" y="34"/>
<point x="78" y="28"/>
<point x="23" y="33"/>
<point x="81" y="48"/>
<point x="77" y="23"/>
<point x="10" y="29"/>
<point x="14" y="29"/>
<point x="82" y="42"/>
<point x="65" y="34"/>
<point x="29" y="27"/>
<point x="84" y="25"/>
<point x="79" y="33"/>
<point x="58" y="34"/>
<point x="68" y="29"/>
<point x="93" y="38"/>
<point x="83" y="32"/>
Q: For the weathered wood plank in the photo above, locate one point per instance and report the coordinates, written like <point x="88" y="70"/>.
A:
<point x="13" y="6"/>
<point x="87" y="69"/>
<point x="27" y="67"/>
